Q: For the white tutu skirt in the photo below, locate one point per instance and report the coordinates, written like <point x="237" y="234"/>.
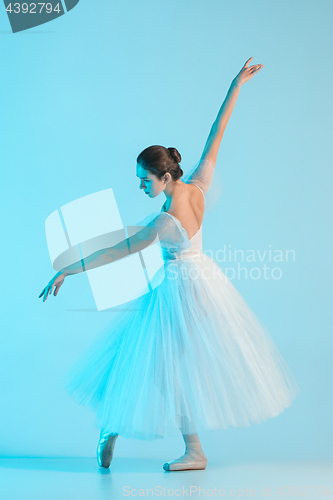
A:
<point x="190" y="355"/>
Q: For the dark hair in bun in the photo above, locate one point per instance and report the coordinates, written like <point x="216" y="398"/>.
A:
<point x="159" y="160"/>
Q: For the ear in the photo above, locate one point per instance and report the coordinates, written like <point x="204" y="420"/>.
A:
<point x="167" y="177"/>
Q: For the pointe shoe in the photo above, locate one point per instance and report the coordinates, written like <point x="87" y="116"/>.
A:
<point x="186" y="464"/>
<point x="105" y="449"/>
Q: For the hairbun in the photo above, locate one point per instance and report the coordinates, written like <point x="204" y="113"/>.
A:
<point x="175" y="155"/>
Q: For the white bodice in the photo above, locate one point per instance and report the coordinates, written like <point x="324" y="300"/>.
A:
<point x="188" y="248"/>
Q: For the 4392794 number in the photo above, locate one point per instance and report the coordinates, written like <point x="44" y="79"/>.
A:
<point x="32" y="8"/>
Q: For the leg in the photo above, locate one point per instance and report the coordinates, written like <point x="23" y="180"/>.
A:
<point x="193" y="459"/>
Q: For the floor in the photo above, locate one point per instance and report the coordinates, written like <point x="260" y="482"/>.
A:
<point x="81" y="478"/>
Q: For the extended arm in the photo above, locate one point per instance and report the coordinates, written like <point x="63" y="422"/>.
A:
<point x="158" y="226"/>
<point x="128" y="246"/>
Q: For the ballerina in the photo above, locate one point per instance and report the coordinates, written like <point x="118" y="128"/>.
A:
<point x="191" y="355"/>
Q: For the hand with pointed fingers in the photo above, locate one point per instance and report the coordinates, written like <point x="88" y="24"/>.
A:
<point x="247" y="72"/>
<point x="56" y="282"/>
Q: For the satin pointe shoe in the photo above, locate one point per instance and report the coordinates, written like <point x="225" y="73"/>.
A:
<point x="198" y="462"/>
<point x="105" y="449"/>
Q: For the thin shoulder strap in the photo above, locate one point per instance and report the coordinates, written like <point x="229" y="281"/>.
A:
<point x="201" y="174"/>
<point x="200" y="189"/>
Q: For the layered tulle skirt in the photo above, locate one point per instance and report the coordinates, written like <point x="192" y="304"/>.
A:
<point x="190" y="355"/>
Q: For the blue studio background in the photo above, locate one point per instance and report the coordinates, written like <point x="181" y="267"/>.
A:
<point x="81" y="97"/>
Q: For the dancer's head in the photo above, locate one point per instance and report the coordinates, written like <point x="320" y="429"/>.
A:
<point x="158" y="167"/>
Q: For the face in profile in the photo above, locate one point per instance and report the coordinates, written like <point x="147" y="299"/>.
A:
<point x="149" y="182"/>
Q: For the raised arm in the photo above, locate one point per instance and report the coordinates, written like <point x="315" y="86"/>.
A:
<point x="204" y="172"/>
<point x="216" y="133"/>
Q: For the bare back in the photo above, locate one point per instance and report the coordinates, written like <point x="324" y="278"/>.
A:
<point x="187" y="205"/>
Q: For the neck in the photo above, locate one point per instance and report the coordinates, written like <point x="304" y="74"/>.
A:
<point x="171" y="190"/>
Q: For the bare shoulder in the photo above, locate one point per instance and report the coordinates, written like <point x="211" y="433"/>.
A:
<point x="196" y="193"/>
<point x="188" y="207"/>
<point x="188" y="197"/>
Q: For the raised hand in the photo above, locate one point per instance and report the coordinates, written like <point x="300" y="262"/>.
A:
<point x="56" y="281"/>
<point x="247" y="72"/>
